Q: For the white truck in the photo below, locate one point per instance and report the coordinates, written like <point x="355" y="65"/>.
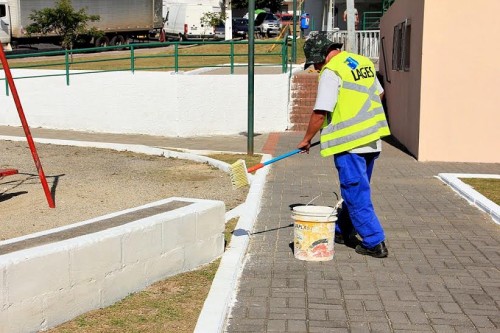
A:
<point x="119" y="20"/>
<point x="183" y="20"/>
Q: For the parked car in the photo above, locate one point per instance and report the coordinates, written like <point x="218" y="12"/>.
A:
<point x="285" y="19"/>
<point x="220" y="32"/>
<point x="267" y="24"/>
<point x="240" y="27"/>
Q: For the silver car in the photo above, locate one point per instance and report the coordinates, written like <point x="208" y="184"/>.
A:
<point x="220" y="32"/>
<point x="267" y="24"/>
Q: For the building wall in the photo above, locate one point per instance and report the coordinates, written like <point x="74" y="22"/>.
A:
<point x="444" y="109"/>
<point x="460" y="113"/>
<point x="402" y="89"/>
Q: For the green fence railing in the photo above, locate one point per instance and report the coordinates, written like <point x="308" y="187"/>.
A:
<point x="168" y="56"/>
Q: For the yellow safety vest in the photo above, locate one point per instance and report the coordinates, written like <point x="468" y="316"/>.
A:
<point x="358" y="117"/>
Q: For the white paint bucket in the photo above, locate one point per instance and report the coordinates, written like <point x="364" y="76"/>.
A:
<point x="314" y="231"/>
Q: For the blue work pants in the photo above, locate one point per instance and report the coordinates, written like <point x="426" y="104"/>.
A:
<point x="355" y="171"/>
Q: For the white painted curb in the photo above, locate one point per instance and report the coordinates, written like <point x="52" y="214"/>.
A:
<point x="225" y="284"/>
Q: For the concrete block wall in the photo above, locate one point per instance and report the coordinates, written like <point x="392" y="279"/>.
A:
<point x="150" y="103"/>
<point x="303" y="97"/>
<point x="46" y="285"/>
<point x="160" y="103"/>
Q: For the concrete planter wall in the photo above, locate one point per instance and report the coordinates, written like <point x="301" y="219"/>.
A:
<point x="44" y="285"/>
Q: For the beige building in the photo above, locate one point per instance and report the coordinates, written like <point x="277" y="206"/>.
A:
<point x="441" y="74"/>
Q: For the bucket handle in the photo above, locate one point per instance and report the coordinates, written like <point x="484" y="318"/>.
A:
<point x="316" y="197"/>
<point x="336" y="207"/>
<point x="339" y="204"/>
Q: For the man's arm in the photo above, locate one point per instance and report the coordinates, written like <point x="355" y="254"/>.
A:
<point x="315" y="124"/>
<point x="326" y="99"/>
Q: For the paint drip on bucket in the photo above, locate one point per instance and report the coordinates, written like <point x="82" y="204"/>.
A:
<point x="314" y="231"/>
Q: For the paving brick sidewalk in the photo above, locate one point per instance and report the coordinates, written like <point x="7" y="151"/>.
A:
<point x="443" y="269"/>
<point x="442" y="273"/>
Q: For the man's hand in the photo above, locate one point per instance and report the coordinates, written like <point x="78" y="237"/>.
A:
<point x="304" y="145"/>
<point x="315" y="124"/>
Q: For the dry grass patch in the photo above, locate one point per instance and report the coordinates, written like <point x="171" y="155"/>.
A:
<point x="488" y="187"/>
<point x="172" y="305"/>
<point x="250" y="160"/>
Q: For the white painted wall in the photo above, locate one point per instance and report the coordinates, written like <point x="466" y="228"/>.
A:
<point x="153" y="103"/>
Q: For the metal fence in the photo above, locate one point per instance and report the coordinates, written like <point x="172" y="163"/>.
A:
<point x="367" y="42"/>
<point x="174" y="56"/>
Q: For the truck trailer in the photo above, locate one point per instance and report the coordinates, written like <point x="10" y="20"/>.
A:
<point x="120" y="20"/>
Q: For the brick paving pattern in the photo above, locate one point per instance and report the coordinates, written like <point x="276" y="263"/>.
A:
<point x="443" y="269"/>
<point x="442" y="273"/>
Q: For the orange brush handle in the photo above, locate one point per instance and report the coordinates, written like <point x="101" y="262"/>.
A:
<point x="255" y="167"/>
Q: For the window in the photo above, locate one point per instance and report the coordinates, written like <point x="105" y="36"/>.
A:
<point x="396" y="48"/>
<point x="401" y="46"/>
<point x="406" y="49"/>
<point x="3" y="10"/>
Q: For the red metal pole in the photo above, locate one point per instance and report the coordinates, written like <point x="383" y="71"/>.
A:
<point x="26" y="128"/>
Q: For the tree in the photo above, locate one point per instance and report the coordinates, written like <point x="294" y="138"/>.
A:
<point x="273" y="5"/>
<point x="64" y="21"/>
<point x="213" y="19"/>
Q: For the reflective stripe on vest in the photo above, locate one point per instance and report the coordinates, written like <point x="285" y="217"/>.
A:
<point x="366" y="125"/>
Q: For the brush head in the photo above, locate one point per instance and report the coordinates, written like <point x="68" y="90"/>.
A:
<point x="238" y="174"/>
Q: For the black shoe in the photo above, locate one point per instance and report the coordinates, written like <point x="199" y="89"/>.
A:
<point x="379" y="251"/>
<point x="351" y="241"/>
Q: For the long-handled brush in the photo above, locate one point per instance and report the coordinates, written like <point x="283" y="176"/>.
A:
<point x="239" y="172"/>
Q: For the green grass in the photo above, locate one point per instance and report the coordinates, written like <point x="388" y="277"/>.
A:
<point x="488" y="187"/>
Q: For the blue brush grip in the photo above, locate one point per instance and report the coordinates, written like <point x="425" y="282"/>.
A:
<point x="290" y="153"/>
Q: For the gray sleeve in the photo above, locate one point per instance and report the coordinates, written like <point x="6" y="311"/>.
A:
<point x="328" y="90"/>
